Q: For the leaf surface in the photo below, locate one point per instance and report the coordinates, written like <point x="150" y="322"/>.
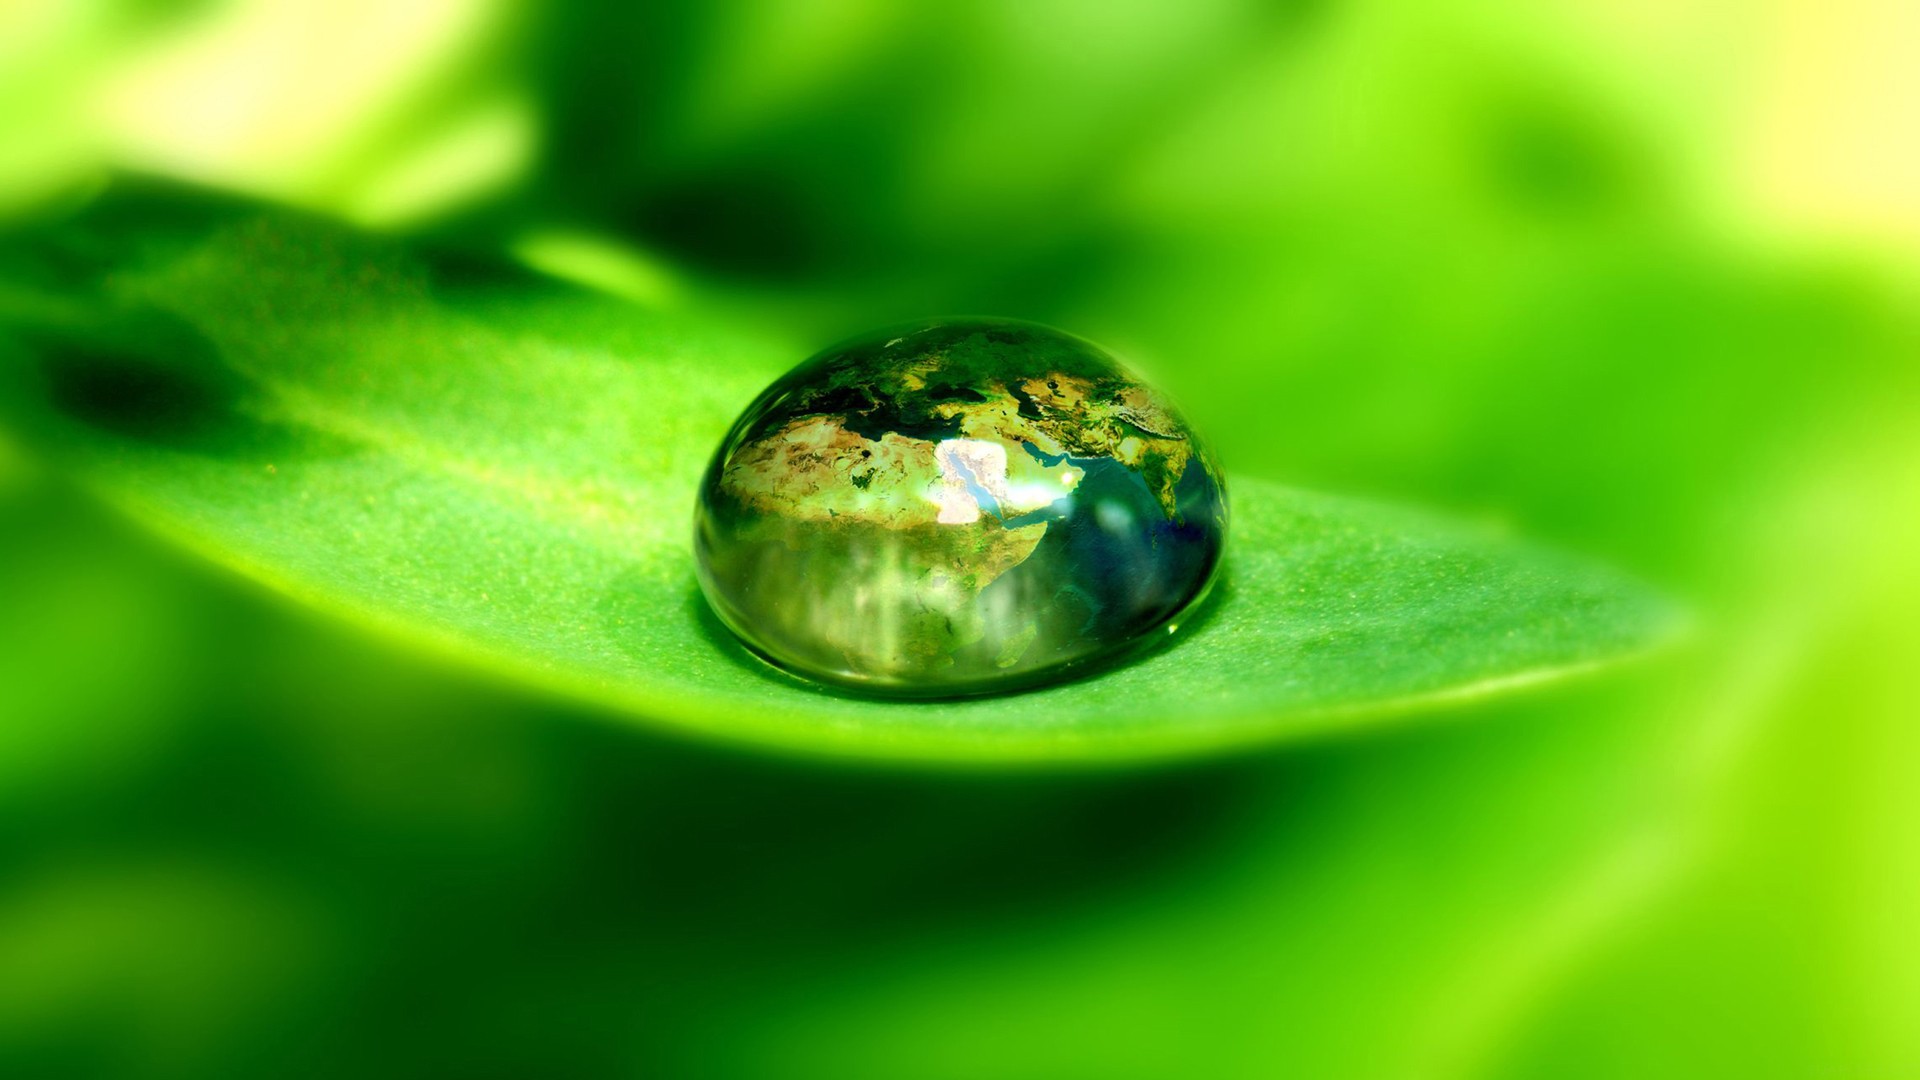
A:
<point x="503" y="466"/>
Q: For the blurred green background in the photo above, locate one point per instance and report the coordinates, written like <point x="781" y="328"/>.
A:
<point x="1639" y="279"/>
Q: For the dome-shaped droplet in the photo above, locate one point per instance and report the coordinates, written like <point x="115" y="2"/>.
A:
<point x="956" y="507"/>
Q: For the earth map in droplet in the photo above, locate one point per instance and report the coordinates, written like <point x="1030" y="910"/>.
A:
<point x="957" y="507"/>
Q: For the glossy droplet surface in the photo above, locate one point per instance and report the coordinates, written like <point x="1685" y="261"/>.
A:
<point x="956" y="507"/>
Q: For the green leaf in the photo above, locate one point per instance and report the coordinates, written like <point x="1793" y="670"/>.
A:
<point x="503" y="466"/>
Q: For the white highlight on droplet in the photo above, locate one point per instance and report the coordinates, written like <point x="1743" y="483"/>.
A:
<point x="985" y="462"/>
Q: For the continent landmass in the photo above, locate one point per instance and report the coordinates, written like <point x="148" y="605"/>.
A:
<point x="872" y="439"/>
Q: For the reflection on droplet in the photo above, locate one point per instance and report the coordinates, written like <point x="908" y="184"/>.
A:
<point x="957" y="507"/>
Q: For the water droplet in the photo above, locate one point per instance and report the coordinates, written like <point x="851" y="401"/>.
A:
<point x="961" y="506"/>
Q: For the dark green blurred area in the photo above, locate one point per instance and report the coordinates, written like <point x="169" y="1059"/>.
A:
<point x="1420" y="251"/>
